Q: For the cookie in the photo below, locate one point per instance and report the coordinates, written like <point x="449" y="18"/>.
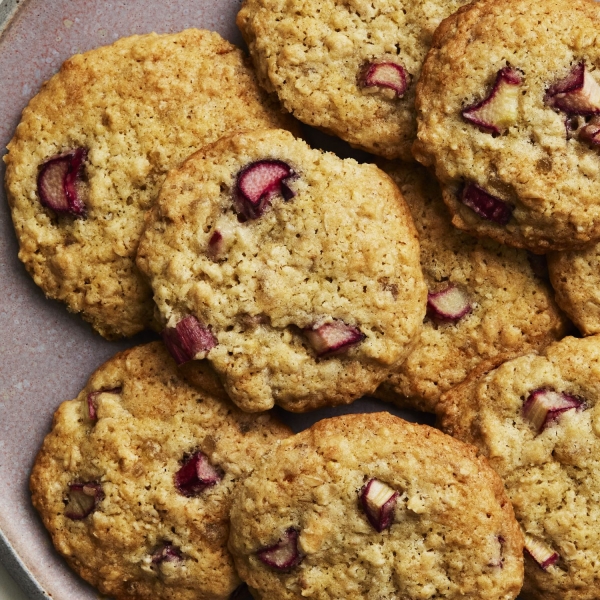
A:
<point x="296" y="273"/>
<point x="93" y="148"/>
<point x="536" y="419"/>
<point x="370" y="506"/>
<point x="505" y="119"/>
<point x="501" y="306"/>
<point x="574" y="277"/>
<point x="348" y="68"/>
<point x="134" y="481"/>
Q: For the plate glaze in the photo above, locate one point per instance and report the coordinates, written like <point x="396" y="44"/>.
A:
<point x="47" y="354"/>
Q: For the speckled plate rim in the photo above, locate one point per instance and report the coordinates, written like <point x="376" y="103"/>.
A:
<point x="19" y="572"/>
<point x="8" y="557"/>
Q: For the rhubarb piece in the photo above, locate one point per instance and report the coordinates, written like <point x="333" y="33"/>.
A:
<point x="543" y="406"/>
<point x="385" y="74"/>
<point x="59" y="183"/>
<point x="499" y="110"/>
<point x="188" y="340"/>
<point x="450" y="304"/>
<point x="258" y="183"/>
<point x="284" y="554"/>
<point x="334" y="337"/>
<point x="577" y="94"/>
<point x="241" y="593"/>
<point x="92" y="408"/>
<point x="196" y="475"/>
<point x="590" y="133"/>
<point x="83" y="499"/>
<point x="166" y="552"/>
<point x="543" y="555"/>
<point x="485" y="205"/>
<point x="378" y="501"/>
<point x="215" y="244"/>
<point x="498" y="560"/>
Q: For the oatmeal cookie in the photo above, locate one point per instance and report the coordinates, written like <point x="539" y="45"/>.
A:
<point x="508" y="110"/>
<point x="93" y="148"/>
<point x="370" y="506"/>
<point x="296" y="273"/>
<point x="485" y="300"/>
<point x="575" y="277"/>
<point x="134" y="481"/>
<point x="346" y="67"/>
<point x="536" y="419"/>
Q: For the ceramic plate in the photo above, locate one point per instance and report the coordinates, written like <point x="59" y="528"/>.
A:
<point x="46" y="354"/>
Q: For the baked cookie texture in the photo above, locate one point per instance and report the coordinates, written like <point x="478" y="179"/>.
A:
<point x="314" y="56"/>
<point x="575" y="276"/>
<point x="511" y="307"/>
<point x="443" y="540"/>
<point x="138" y="107"/>
<point x="340" y="251"/>
<point x="541" y="174"/>
<point x="148" y="422"/>
<point x="550" y="473"/>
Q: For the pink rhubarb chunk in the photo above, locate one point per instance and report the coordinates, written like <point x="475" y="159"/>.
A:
<point x="166" y="553"/>
<point x="543" y="555"/>
<point x="284" y="554"/>
<point x="387" y="75"/>
<point x="379" y="501"/>
<point x="334" y="337"/>
<point x="188" y="340"/>
<point x="59" y="183"/>
<point x="450" y="304"/>
<point x="196" y="475"/>
<point x="488" y="207"/>
<point x="590" y="132"/>
<point x="215" y="245"/>
<point x="499" y="109"/>
<point x="544" y="406"/>
<point x="577" y="94"/>
<point x="258" y="183"/>
<point x="92" y="407"/>
<point x="498" y="560"/>
<point x="83" y="499"/>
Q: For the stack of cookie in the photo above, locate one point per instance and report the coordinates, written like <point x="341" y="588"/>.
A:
<point x="145" y="194"/>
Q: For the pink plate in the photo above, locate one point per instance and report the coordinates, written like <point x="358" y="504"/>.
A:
<point x="46" y="353"/>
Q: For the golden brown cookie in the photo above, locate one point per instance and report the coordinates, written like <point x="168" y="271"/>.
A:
<point x="507" y="106"/>
<point x="346" y="67"/>
<point x="294" y="272"/>
<point x="485" y="300"/>
<point x="575" y="276"/>
<point x="134" y="481"/>
<point x="370" y="506"/>
<point x="93" y="148"/>
<point x="536" y="419"/>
